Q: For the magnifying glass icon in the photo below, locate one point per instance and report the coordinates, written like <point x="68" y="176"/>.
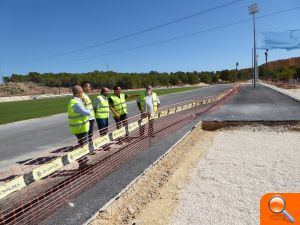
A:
<point x="277" y="205"/>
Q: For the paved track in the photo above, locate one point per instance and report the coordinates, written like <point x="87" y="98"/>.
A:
<point x="25" y="139"/>
<point x="262" y="104"/>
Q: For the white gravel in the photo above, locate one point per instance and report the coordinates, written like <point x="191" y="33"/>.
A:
<point x="242" y="165"/>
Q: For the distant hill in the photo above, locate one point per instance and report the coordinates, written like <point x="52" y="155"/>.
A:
<point x="28" y="88"/>
<point x="284" y="69"/>
<point x="283" y="64"/>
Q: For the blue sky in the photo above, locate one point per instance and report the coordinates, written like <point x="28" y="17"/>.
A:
<point x="33" y="31"/>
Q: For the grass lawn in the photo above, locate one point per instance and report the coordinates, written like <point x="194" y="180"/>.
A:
<point x="29" y="109"/>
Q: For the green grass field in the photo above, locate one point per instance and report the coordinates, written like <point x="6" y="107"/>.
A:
<point x="22" y="110"/>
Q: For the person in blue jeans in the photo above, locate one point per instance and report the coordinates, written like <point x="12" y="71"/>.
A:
<point x="101" y="108"/>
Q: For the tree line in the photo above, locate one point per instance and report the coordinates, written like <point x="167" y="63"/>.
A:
<point x="281" y="74"/>
<point x="138" y="80"/>
<point x="129" y="80"/>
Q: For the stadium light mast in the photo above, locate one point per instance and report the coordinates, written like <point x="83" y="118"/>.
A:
<point x="236" y="70"/>
<point x="252" y="76"/>
<point x="253" y="9"/>
<point x="266" y="65"/>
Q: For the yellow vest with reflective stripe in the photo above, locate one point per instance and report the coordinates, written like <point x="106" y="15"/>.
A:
<point x="119" y="104"/>
<point x="88" y="105"/>
<point x="143" y="96"/>
<point x="77" y="122"/>
<point x="102" y="112"/>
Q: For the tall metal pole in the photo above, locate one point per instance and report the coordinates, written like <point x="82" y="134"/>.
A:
<point x="236" y="70"/>
<point x="257" y="70"/>
<point x="252" y="77"/>
<point x="253" y="9"/>
<point x="254" y="51"/>
<point x="266" y="66"/>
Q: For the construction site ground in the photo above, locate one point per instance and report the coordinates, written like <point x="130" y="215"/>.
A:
<point x="264" y="97"/>
<point x="81" y="208"/>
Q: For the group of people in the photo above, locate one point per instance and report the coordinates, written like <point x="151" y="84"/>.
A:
<point x="83" y="113"/>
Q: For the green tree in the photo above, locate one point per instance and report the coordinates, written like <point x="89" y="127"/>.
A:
<point x="5" y="79"/>
<point x="224" y="75"/>
<point x="214" y="78"/>
<point x="286" y="74"/>
<point x="206" y="78"/>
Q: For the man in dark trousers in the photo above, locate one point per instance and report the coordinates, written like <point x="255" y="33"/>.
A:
<point x="101" y="108"/>
<point x="118" y="106"/>
<point x="79" y="119"/>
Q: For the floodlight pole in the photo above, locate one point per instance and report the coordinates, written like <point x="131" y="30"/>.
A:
<point x="253" y="9"/>
<point x="255" y="55"/>
<point x="252" y="76"/>
<point x="266" y="65"/>
<point x="236" y="70"/>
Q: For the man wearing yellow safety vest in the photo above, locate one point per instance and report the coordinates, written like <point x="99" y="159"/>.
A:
<point x="117" y="104"/>
<point x="78" y="116"/>
<point x="86" y="86"/>
<point x="101" y="107"/>
<point x="148" y="104"/>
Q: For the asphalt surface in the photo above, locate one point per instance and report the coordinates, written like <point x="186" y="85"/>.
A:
<point x="262" y="104"/>
<point x="27" y="139"/>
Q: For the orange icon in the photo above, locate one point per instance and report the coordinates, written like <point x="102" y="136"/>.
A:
<point x="277" y="205"/>
<point x="280" y="208"/>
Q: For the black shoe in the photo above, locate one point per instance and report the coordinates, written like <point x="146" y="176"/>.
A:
<point x="106" y="148"/>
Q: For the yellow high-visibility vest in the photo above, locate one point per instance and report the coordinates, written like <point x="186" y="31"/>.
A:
<point x="119" y="104"/>
<point x="77" y="122"/>
<point x="102" y="112"/>
<point x="88" y="105"/>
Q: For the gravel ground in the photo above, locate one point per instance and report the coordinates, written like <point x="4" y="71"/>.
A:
<point x="242" y="164"/>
